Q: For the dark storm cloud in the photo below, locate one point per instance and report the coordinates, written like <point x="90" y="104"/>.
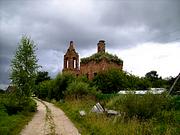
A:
<point x="4" y="69"/>
<point x="52" y="24"/>
<point x="160" y="18"/>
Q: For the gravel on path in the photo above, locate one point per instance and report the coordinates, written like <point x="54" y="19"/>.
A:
<point x="49" y="120"/>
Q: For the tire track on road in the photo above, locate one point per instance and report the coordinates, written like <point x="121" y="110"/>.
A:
<point x="49" y="120"/>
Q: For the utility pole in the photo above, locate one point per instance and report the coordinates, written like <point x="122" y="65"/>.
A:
<point x="174" y="84"/>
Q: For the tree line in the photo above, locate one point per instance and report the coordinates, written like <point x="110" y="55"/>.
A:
<point x="27" y="79"/>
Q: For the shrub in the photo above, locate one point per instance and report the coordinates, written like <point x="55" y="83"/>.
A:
<point x="176" y="102"/>
<point x="105" y="97"/>
<point x="30" y="106"/>
<point x="111" y="81"/>
<point x="54" y="89"/>
<point x="44" y="89"/>
<point x="141" y="106"/>
<point x="61" y="83"/>
<point x="12" y="105"/>
<point x="13" y="124"/>
<point x="78" y="89"/>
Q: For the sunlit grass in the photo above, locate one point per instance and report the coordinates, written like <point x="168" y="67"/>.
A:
<point x="101" y="124"/>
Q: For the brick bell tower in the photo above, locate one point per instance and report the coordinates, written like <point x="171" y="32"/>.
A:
<point x="101" y="46"/>
<point x="71" y="60"/>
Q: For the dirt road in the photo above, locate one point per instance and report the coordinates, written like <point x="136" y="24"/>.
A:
<point x="49" y="120"/>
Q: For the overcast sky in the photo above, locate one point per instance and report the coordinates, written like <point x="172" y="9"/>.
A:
<point x="145" y="34"/>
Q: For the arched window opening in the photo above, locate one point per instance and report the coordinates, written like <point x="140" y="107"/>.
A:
<point x="67" y="64"/>
<point x="87" y="75"/>
<point x="74" y="63"/>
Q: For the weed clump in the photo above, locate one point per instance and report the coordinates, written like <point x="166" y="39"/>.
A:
<point x="141" y="106"/>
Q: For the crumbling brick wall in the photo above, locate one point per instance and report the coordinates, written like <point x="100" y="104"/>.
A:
<point x="92" y="68"/>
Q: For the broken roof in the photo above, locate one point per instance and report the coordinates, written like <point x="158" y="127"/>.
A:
<point x="97" y="57"/>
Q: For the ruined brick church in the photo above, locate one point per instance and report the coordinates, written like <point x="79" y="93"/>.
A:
<point x="92" y="65"/>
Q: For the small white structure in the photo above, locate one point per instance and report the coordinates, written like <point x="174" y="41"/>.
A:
<point x="141" y="92"/>
<point x="157" y="90"/>
<point x="97" y="108"/>
<point x="82" y="113"/>
<point x="112" y="112"/>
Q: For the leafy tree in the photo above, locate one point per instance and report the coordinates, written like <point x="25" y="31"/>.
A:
<point x="155" y="80"/>
<point x="42" y="76"/>
<point x="2" y="91"/>
<point x="45" y="89"/>
<point x="114" y="80"/>
<point x="144" y="84"/>
<point x="61" y="83"/>
<point x="136" y="83"/>
<point x="152" y="75"/>
<point x="55" y="88"/>
<point x="111" y="81"/>
<point x="78" y="89"/>
<point x="24" y="68"/>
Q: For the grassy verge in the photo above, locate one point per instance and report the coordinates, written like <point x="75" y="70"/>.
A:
<point x="12" y="124"/>
<point x="98" y="124"/>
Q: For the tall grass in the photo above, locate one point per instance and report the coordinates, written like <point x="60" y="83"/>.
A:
<point x="13" y="124"/>
<point x="12" y="121"/>
<point x="101" y="124"/>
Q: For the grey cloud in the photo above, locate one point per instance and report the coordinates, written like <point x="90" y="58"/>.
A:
<point x="123" y="24"/>
<point x="160" y="17"/>
<point x="4" y="70"/>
